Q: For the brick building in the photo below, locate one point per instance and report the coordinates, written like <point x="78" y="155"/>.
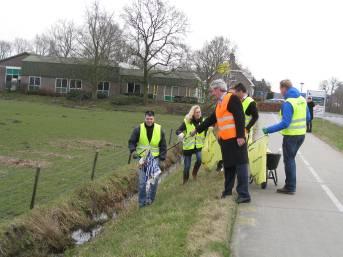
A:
<point x="54" y="75"/>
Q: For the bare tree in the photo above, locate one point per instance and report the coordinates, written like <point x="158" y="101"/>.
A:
<point x="63" y="36"/>
<point x="42" y="44"/>
<point x="330" y="87"/>
<point x="5" y="49"/>
<point x="210" y="57"/>
<point x="98" y="41"/>
<point x="155" y="30"/>
<point x="21" y="45"/>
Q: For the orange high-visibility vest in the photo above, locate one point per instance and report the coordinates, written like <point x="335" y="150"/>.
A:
<point x="225" y="121"/>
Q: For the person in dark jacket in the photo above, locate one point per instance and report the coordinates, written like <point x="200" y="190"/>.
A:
<point x="249" y="108"/>
<point x="230" y="119"/>
<point x="148" y="137"/>
<point x="191" y="144"/>
<point x="310" y="105"/>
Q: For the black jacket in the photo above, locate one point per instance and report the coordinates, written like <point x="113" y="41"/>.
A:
<point x="182" y="128"/>
<point x="311" y="105"/>
<point x="133" y="141"/>
<point x="253" y="112"/>
<point x="232" y="153"/>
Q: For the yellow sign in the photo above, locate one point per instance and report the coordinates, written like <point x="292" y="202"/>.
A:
<point x="223" y="68"/>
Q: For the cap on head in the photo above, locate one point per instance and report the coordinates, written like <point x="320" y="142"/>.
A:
<point x="219" y="84"/>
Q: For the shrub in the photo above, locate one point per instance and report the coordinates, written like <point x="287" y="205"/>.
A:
<point x="102" y="95"/>
<point x="42" y="92"/>
<point x="78" y="95"/>
<point x="268" y="107"/>
<point x="185" y="99"/>
<point x="126" y="100"/>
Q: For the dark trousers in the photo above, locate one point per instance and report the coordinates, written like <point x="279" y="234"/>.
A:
<point x="309" y="126"/>
<point x="188" y="161"/>
<point x="241" y="171"/>
<point x="290" y="147"/>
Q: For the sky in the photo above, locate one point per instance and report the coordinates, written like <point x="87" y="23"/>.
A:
<point x="301" y="40"/>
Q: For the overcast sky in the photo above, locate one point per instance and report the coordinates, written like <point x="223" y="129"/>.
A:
<point x="297" y="39"/>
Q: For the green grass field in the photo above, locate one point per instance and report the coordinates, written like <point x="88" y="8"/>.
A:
<point x="329" y="132"/>
<point x="184" y="221"/>
<point x="63" y="141"/>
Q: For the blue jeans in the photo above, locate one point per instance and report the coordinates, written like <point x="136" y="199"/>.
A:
<point x="290" y="147"/>
<point x="241" y="170"/>
<point x="188" y="162"/>
<point x="146" y="197"/>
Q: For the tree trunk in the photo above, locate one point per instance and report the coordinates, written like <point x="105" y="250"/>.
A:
<point x="145" y="85"/>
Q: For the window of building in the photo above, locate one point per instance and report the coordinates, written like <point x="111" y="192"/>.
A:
<point x="133" y="88"/>
<point x="175" y="91"/>
<point x="104" y="88"/>
<point x="34" y="83"/>
<point x="12" y="73"/>
<point x="61" y="86"/>
<point x="75" y="84"/>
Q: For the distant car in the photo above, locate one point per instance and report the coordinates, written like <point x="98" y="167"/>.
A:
<point x="275" y="100"/>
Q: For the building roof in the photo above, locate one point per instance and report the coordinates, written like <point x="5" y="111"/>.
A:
<point x="15" y="56"/>
<point x="172" y="78"/>
<point x="57" y="67"/>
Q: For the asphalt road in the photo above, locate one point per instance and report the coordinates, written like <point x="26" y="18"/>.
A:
<point x="308" y="224"/>
<point x="335" y="118"/>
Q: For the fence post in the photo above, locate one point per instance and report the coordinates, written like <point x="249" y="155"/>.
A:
<point x="170" y="136"/>
<point x="94" y="163"/>
<point x="32" y="205"/>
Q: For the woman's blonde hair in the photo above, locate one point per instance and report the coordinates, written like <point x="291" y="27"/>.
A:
<point x="191" y="112"/>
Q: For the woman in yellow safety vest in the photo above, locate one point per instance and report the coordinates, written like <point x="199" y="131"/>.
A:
<point x="191" y="145"/>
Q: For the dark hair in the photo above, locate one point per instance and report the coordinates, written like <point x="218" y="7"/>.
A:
<point x="149" y="113"/>
<point x="240" y="87"/>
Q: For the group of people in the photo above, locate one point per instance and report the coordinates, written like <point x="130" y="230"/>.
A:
<point x="234" y="118"/>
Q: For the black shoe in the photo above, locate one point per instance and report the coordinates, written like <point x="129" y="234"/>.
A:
<point x="284" y="190"/>
<point x="243" y="200"/>
<point x="224" y="195"/>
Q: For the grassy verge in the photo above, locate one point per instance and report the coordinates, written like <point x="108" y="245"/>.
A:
<point x="63" y="141"/>
<point x="329" y="132"/>
<point x="184" y="221"/>
<point x="46" y="230"/>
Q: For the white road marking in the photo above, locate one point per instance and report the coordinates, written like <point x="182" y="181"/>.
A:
<point x="333" y="197"/>
<point x="325" y="188"/>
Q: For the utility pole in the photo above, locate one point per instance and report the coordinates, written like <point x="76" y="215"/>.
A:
<point x="301" y="86"/>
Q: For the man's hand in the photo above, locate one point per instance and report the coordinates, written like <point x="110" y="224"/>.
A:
<point x="141" y="162"/>
<point x="181" y="137"/>
<point x="134" y="155"/>
<point x="240" y="141"/>
<point x="265" y="131"/>
<point x="193" y="133"/>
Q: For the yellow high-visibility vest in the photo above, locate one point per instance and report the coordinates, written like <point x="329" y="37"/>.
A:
<point x="197" y="141"/>
<point x="246" y="102"/>
<point x="144" y="146"/>
<point x="298" y="123"/>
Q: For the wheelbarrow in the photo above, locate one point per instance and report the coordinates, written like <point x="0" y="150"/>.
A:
<point x="272" y="164"/>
